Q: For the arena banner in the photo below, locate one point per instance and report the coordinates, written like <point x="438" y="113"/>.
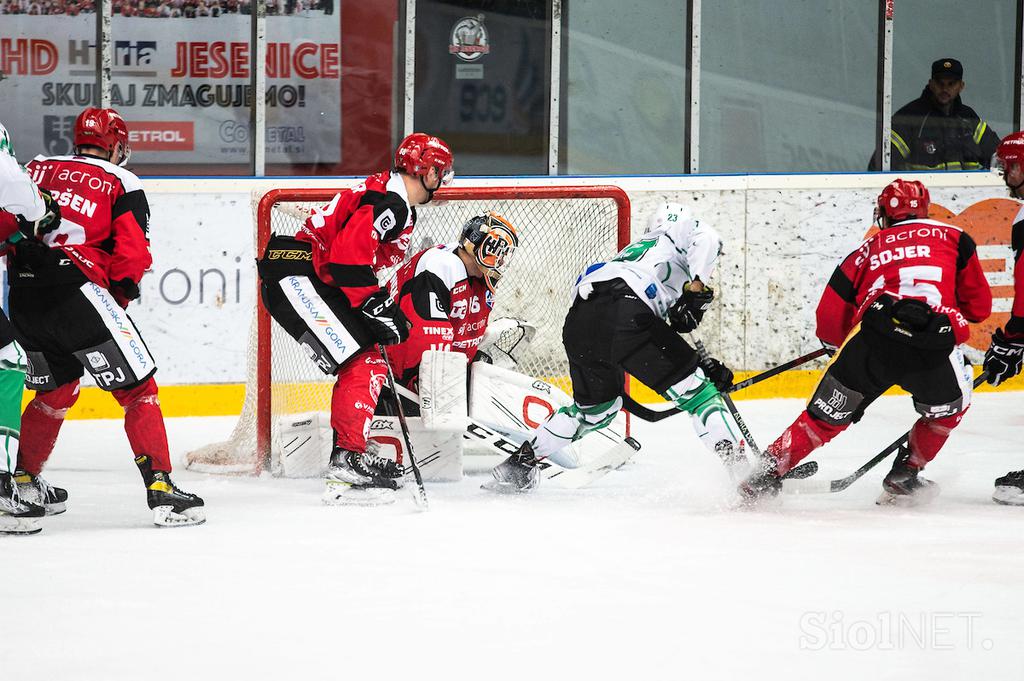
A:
<point x="181" y="83"/>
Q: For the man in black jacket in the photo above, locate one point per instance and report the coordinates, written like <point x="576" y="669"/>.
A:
<point x="937" y="131"/>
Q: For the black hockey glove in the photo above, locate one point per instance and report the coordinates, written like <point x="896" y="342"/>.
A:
<point x="33" y="255"/>
<point x="124" y="288"/>
<point x="386" y="321"/>
<point x="719" y="374"/>
<point x="1004" y="356"/>
<point x="44" y="225"/>
<point x="686" y="314"/>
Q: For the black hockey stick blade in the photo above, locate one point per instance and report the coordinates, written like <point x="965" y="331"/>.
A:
<point x="804" y="470"/>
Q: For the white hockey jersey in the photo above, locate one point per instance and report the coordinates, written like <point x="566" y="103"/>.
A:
<point x="18" y="193"/>
<point x="676" y="249"/>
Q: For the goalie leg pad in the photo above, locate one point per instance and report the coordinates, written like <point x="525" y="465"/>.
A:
<point x="442" y="389"/>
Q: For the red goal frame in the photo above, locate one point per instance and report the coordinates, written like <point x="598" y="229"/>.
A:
<point x="263" y="230"/>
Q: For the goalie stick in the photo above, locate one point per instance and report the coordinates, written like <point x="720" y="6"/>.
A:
<point x="821" y="486"/>
<point x="419" y="495"/>
<point x="506" y="444"/>
<point x="654" y="415"/>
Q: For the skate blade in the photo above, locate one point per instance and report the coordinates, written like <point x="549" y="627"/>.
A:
<point x="342" y="494"/>
<point x="504" y="488"/>
<point x="906" y="500"/>
<point x="13" y="525"/>
<point x="1008" y="496"/>
<point x="164" y="516"/>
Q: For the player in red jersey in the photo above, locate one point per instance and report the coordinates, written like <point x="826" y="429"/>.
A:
<point x="321" y="285"/>
<point x="69" y="288"/>
<point x="897" y="309"/>
<point x="1004" y="357"/>
<point x="447" y="293"/>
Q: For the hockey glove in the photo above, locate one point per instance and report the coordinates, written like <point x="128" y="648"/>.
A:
<point x="1004" y="356"/>
<point x="386" y="321"/>
<point x="33" y="255"/>
<point x="687" y="312"/>
<point x="719" y="374"/>
<point x="124" y="291"/>
<point x="44" y="225"/>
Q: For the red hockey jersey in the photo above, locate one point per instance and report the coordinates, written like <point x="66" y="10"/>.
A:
<point x="448" y="308"/>
<point x="104" y="228"/>
<point x="923" y="259"/>
<point x="362" y="230"/>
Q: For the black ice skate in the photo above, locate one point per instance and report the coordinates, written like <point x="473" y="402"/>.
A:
<point x="361" y="479"/>
<point x="517" y="474"/>
<point x="35" y="490"/>
<point x="1010" y="489"/>
<point x="904" y="486"/>
<point x="765" y="483"/>
<point x="17" y="516"/>
<point x="171" y="506"/>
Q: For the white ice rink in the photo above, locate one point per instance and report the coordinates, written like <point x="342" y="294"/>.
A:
<point x="646" y="575"/>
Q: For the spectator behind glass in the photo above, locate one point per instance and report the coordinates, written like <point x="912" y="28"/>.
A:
<point x="937" y="131"/>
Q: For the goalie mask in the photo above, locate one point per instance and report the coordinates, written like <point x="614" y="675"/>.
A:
<point x="491" y="240"/>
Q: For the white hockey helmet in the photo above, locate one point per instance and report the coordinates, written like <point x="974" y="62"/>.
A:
<point x="669" y="214"/>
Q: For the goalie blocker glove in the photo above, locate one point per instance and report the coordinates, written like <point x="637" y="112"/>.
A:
<point x="1003" y="358"/>
<point x="688" y="311"/>
<point x="385" y="320"/>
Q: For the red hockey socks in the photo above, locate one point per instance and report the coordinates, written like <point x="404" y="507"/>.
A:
<point x="355" y="398"/>
<point x="804" y="436"/>
<point x="927" y="437"/>
<point x="144" y="423"/>
<point x="40" y="425"/>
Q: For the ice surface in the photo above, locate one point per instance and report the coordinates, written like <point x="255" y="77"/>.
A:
<point x="646" y="575"/>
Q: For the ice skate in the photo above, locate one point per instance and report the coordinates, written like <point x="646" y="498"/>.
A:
<point x="17" y="516"/>
<point x="904" y="486"/>
<point x="763" y="484"/>
<point x="361" y="479"/>
<point x="171" y="506"/>
<point x="516" y="474"/>
<point x="1010" y="489"/>
<point x="35" y="490"/>
<point x="734" y="459"/>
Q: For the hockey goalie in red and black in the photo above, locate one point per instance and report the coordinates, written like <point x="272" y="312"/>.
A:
<point x="1006" y="351"/>
<point x="447" y="293"/>
<point x="897" y="309"/>
<point x="69" y="288"/>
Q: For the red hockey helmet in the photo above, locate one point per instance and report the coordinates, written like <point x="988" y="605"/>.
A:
<point x="419" y="152"/>
<point x="103" y="128"/>
<point x="902" y="200"/>
<point x="1009" y="151"/>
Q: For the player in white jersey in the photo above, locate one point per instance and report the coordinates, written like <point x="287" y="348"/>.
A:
<point x="37" y="213"/>
<point x="625" y="319"/>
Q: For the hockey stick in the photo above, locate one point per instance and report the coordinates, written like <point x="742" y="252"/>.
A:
<point x="508" y="443"/>
<point x="420" y="493"/>
<point x="819" y="487"/>
<point x="654" y="415"/>
<point x="702" y="352"/>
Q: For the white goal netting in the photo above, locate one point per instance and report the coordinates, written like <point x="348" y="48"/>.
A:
<point x="562" y="231"/>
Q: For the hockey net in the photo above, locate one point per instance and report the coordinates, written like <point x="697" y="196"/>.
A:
<point x="562" y="230"/>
